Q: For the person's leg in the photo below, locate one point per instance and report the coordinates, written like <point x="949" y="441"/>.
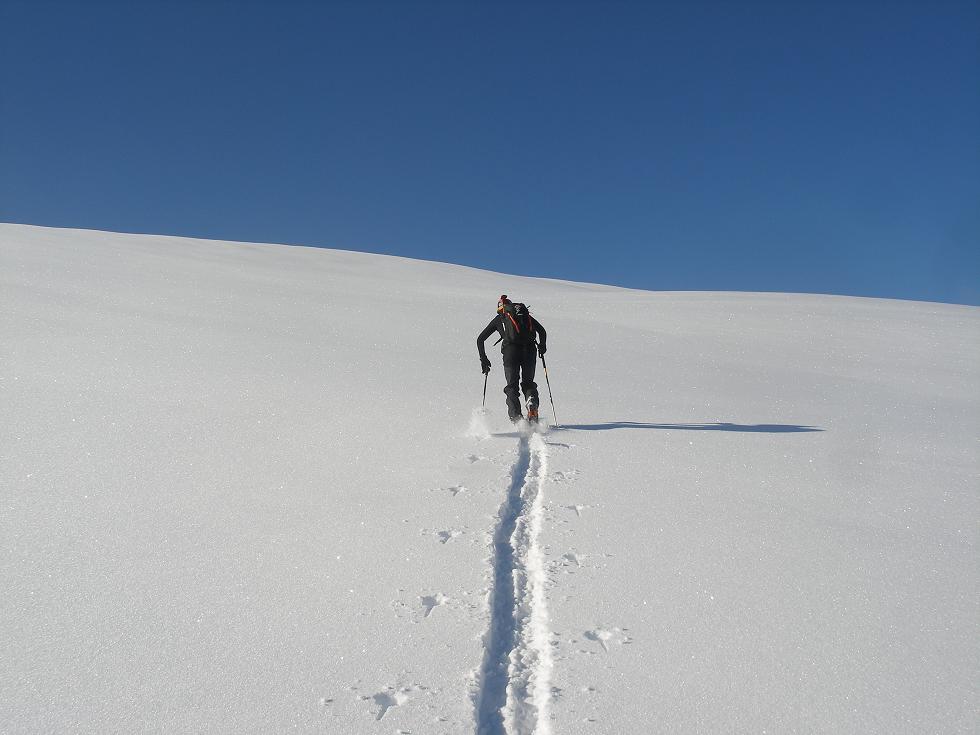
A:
<point x="529" y="361"/>
<point x="512" y="374"/>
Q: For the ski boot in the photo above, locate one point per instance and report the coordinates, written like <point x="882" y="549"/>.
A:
<point x="532" y="411"/>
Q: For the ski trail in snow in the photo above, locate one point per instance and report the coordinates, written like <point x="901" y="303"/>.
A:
<point x="515" y="679"/>
<point x="529" y="690"/>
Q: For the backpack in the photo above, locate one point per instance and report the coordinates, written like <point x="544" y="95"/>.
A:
<point x="518" y="326"/>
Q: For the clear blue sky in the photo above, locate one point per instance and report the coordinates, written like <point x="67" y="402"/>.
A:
<point x="829" y="147"/>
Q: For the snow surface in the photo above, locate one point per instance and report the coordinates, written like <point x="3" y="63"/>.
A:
<point x="248" y="489"/>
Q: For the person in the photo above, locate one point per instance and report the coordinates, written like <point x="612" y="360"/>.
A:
<point x="517" y="330"/>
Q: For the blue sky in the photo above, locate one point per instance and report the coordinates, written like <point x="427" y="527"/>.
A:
<point x="827" y="147"/>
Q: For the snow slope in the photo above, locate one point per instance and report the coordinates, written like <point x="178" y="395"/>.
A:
<point x="246" y="489"/>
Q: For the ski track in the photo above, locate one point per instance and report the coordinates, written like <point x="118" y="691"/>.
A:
<point x="515" y="679"/>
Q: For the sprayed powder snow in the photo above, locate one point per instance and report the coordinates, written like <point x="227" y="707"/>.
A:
<point x="479" y="427"/>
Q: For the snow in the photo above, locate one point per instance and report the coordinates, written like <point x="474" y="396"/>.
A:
<point x="249" y="488"/>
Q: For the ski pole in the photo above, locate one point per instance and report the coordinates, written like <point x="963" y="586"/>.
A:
<point x="485" y="376"/>
<point x="550" y="398"/>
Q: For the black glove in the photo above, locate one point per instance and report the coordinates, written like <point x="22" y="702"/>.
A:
<point x="542" y="349"/>
<point x="485" y="364"/>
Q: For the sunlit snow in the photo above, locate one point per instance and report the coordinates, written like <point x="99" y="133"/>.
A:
<point x="253" y="489"/>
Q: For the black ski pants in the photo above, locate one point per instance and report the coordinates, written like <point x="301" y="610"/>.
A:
<point x="519" y="363"/>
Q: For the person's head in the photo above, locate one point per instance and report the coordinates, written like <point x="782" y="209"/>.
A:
<point x="500" y="304"/>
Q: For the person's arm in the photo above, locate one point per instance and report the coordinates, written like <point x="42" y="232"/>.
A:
<point x="484" y="335"/>
<point x="542" y="337"/>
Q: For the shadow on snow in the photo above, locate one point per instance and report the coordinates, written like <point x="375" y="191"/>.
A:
<point x="719" y="426"/>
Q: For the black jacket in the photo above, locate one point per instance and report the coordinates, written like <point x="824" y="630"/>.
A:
<point x="497" y="325"/>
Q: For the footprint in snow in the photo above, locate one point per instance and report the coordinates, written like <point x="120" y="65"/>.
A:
<point x="453" y="490"/>
<point x="388" y="699"/>
<point x="443" y="536"/>
<point x="560" y="476"/>
<point x="604" y="637"/>
<point x="430" y="602"/>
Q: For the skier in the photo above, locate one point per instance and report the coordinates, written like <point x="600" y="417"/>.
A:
<point x="517" y="329"/>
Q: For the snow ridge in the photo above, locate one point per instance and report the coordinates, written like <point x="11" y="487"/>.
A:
<point x="515" y="677"/>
